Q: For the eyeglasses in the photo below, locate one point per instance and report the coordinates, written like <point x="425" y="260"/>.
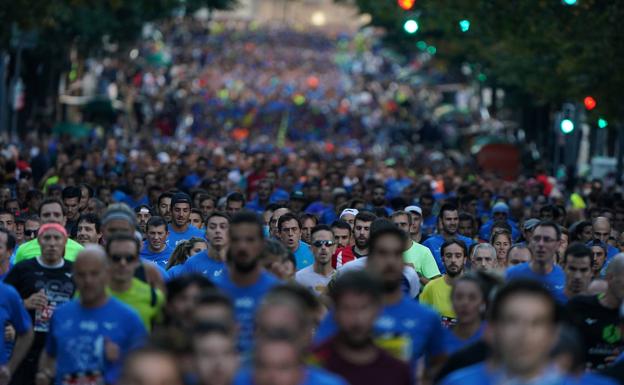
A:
<point x="128" y="258"/>
<point x="31" y="233"/>
<point x="323" y="243"/>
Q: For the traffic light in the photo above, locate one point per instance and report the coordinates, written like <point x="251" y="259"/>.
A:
<point x="464" y="25"/>
<point x="406" y="5"/>
<point x="567" y="118"/>
<point x="570" y="2"/>
<point x="411" y="26"/>
<point x="589" y="102"/>
<point x="602" y="123"/>
<point x="567" y="126"/>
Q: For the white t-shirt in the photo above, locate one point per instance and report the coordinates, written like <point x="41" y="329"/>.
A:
<point x="410" y="275"/>
<point x="307" y="277"/>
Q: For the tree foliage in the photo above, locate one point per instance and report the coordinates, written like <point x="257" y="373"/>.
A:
<point x="544" y="48"/>
<point x="85" y="22"/>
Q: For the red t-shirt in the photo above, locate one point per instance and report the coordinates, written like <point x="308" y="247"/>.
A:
<point x="385" y="369"/>
<point x="342" y="256"/>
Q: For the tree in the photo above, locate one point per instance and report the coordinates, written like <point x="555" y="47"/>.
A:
<point x="544" y="49"/>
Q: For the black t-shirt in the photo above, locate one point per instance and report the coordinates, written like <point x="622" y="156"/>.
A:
<point x="29" y="277"/>
<point x="599" y="327"/>
<point x="356" y="254"/>
<point x="384" y="370"/>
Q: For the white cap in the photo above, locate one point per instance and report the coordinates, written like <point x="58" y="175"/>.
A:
<point x="353" y="212"/>
<point x="414" y="209"/>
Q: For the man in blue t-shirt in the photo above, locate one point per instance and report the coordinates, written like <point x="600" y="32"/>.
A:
<point x="211" y="262"/>
<point x="404" y="328"/>
<point x="542" y="268"/>
<point x="137" y="195"/>
<point x="156" y="249"/>
<point x="522" y="332"/>
<point x="90" y="336"/>
<point x="449" y="218"/>
<point x="245" y="281"/>
<point x="12" y="312"/>
<point x="289" y="228"/>
<point x="180" y="228"/>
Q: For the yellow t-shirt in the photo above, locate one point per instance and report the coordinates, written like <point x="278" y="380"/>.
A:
<point x="148" y="302"/>
<point x="437" y="294"/>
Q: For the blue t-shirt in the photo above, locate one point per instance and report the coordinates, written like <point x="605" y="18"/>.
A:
<point x="316" y="208"/>
<point x="254" y="205"/>
<point x="77" y="336"/>
<point x="434" y="243"/>
<point x="429" y="225"/>
<point x="175" y="237"/>
<point x="175" y="272"/>
<point x="246" y="300"/>
<point x="485" y="232"/>
<point x="160" y="258"/>
<point x="452" y="343"/>
<point x="304" y="256"/>
<point x="553" y="281"/>
<point x="406" y="329"/>
<point x="202" y="263"/>
<point x="135" y="203"/>
<point x="313" y="376"/>
<point x="479" y="374"/>
<point x="11" y="311"/>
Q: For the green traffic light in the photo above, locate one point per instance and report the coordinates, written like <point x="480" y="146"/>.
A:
<point x="567" y="126"/>
<point x="602" y="123"/>
<point x="570" y="2"/>
<point x="410" y="26"/>
<point x="464" y="25"/>
<point x="431" y="50"/>
<point x="421" y="45"/>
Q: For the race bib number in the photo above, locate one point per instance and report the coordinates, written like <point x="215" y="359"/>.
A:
<point x="88" y="378"/>
<point x="43" y="316"/>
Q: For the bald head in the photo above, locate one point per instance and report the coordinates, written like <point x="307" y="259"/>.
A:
<point x="92" y="253"/>
<point x="91" y="275"/>
<point x="602" y="229"/>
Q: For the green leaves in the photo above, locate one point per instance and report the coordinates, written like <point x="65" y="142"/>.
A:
<point x="543" y="48"/>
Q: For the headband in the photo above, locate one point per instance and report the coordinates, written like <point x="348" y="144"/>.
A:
<point x="52" y="226"/>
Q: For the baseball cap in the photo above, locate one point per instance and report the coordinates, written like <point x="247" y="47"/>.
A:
<point x="500" y="207"/>
<point x="353" y="212"/>
<point x="143" y="209"/>
<point x="180" y="198"/>
<point x="339" y="191"/>
<point x="414" y="209"/>
<point x="530" y="224"/>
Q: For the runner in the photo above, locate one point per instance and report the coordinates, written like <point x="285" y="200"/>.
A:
<point x="87" y="341"/>
<point x="437" y="293"/>
<point x="316" y="277"/>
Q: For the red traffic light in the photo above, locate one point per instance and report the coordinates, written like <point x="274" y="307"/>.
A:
<point x="406" y="4"/>
<point x="589" y="102"/>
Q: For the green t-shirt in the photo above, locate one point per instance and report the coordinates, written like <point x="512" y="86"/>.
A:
<point x="31" y="249"/>
<point x="422" y="260"/>
<point x="437" y="294"/>
<point x="148" y="302"/>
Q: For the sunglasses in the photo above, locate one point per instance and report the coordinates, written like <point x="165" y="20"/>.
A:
<point x="128" y="258"/>
<point x="323" y="243"/>
<point x="31" y="233"/>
